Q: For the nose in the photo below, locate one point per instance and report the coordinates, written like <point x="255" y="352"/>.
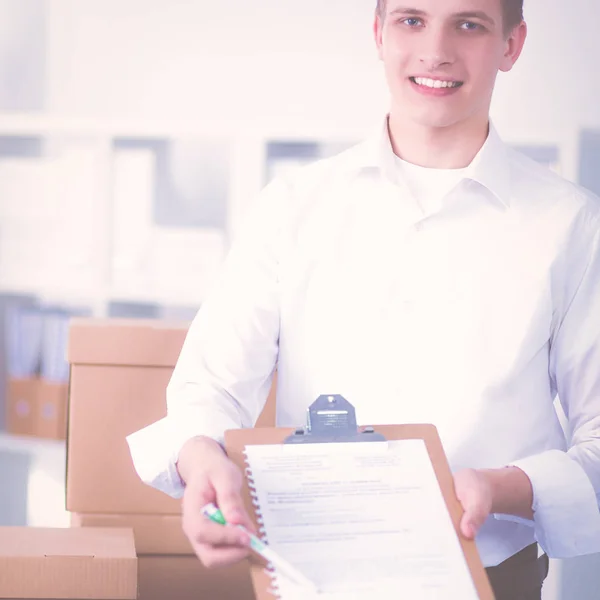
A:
<point x="436" y="50"/>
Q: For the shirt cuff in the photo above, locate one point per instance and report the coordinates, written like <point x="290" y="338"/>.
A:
<point x="566" y="514"/>
<point x="155" y="449"/>
<point x="154" y="458"/>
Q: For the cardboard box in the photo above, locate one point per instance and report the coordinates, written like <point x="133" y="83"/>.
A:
<point x="51" y="410"/>
<point x="67" y="563"/>
<point x="119" y="373"/>
<point x="184" y="578"/>
<point x="153" y="534"/>
<point x="21" y="405"/>
<point x="37" y="408"/>
<point x="120" y="370"/>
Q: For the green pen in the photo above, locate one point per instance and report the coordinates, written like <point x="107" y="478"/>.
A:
<point x="215" y="515"/>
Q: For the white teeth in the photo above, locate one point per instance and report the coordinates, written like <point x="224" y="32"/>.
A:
<point x="435" y="83"/>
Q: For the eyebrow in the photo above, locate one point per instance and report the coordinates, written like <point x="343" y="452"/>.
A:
<point x="408" y="11"/>
<point x="475" y="14"/>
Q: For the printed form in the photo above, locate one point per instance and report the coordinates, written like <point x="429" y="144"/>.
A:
<point x="360" y="520"/>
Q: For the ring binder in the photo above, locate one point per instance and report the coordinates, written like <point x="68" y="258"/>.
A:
<point x="262" y="533"/>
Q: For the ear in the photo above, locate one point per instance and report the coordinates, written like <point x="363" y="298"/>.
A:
<point x="378" y="33"/>
<point x="514" y="46"/>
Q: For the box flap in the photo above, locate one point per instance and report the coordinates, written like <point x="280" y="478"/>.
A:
<point x="93" y="563"/>
<point x="146" y="342"/>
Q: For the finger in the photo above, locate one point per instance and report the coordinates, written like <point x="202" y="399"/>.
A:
<point x="202" y="531"/>
<point x="214" y="557"/>
<point x="198" y="527"/>
<point x="227" y="484"/>
<point x="238" y="514"/>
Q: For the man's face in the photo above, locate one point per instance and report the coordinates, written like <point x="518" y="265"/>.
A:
<point x="441" y="57"/>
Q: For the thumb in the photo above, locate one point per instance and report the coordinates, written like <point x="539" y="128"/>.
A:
<point x="467" y="527"/>
<point x="474" y="500"/>
<point x="472" y="519"/>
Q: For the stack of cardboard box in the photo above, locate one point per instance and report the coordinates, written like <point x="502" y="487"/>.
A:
<point x="119" y="373"/>
<point x="36" y="407"/>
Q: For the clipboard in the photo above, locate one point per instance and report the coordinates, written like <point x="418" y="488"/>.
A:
<point x="332" y="419"/>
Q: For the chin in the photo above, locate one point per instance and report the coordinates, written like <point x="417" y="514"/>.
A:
<point x="437" y="121"/>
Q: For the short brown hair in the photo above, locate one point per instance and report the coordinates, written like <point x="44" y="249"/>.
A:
<point x="512" y="11"/>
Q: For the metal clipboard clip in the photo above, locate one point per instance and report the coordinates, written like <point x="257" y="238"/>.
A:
<point x="332" y="419"/>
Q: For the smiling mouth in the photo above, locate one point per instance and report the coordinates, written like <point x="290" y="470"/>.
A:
<point x="435" y="83"/>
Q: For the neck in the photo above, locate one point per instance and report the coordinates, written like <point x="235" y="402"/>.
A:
<point x="452" y="147"/>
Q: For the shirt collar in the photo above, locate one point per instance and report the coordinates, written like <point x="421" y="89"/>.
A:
<point x="489" y="168"/>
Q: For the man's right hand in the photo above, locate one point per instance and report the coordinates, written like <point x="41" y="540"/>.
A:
<point x="211" y="477"/>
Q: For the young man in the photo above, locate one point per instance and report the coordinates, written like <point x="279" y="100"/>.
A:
<point x="429" y="274"/>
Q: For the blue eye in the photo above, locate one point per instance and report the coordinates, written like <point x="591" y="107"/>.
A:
<point x="412" y="21"/>
<point x="470" y="26"/>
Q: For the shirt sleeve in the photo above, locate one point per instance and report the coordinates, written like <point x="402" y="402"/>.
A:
<point x="224" y="372"/>
<point x="566" y="485"/>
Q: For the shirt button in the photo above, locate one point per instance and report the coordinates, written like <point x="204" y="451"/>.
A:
<point x="419" y="226"/>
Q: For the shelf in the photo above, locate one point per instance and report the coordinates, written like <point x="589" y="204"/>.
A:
<point x="271" y="129"/>
<point x="32" y="445"/>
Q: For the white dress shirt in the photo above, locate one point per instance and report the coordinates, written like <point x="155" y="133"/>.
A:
<point x="472" y="316"/>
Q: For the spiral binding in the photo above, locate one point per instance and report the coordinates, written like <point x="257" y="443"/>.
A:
<point x="262" y="532"/>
